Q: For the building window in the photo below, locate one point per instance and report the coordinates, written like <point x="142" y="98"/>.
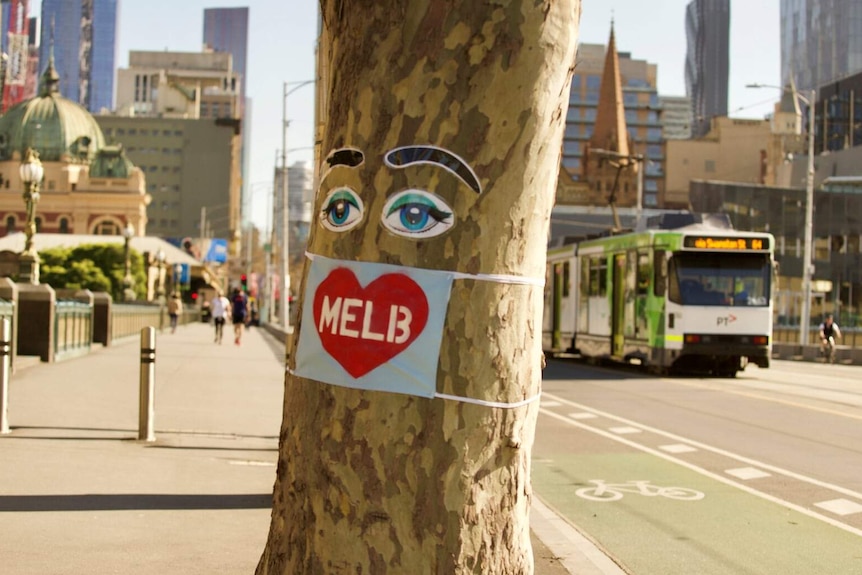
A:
<point x="10" y="224"/>
<point x="38" y="224"/>
<point x="64" y="226"/>
<point x="709" y="166"/>
<point x="653" y="152"/>
<point x="653" y="135"/>
<point x="571" y="148"/>
<point x="572" y="164"/>
<point x="106" y="228"/>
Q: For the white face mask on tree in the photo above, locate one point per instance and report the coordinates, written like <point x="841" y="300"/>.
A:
<point x="379" y="326"/>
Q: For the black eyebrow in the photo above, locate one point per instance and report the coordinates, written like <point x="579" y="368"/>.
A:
<point x="350" y="157"/>
<point x="407" y="155"/>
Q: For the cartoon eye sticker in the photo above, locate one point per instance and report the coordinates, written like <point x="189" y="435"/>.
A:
<point x="416" y="214"/>
<point x="342" y="210"/>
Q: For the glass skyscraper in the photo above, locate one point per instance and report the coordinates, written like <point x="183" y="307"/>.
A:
<point x="821" y="41"/>
<point x="707" y="61"/>
<point x="226" y="30"/>
<point x="85" y="46"/>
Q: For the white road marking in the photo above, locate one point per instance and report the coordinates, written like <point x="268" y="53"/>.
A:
<point x="583" y="415"/>
<point x="707" y="473"/>
<point x="747" y="473"/>
<point x="624" y="430"/>
<point x="840" y="506"/>
<point x="677" y="448"/>
<point x="551" y="403"/>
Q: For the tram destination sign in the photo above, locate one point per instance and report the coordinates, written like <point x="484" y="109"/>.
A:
<point x="727" y="243"/>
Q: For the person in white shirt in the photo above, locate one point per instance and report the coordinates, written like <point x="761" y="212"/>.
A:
<point x="220" y="307"/>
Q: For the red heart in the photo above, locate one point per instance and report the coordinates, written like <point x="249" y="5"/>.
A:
<point x="362" y="328"/>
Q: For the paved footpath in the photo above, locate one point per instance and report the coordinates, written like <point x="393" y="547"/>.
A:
<point x="79" y="494"/>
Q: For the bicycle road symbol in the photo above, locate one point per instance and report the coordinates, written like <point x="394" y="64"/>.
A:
<point x="601" y="491"/>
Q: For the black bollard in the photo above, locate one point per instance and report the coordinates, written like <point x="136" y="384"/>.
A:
<point x="5" y="362"/>
<point x="146" y="409"/>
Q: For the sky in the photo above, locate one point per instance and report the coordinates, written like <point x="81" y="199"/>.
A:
<point x="282" y="43"/>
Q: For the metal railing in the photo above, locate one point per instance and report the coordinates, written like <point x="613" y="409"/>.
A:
<point x="850" y="337"/>
<point x="73" y="329"/>
<point x="128" y="319"/>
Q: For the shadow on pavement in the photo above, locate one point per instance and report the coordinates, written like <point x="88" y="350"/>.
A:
<point x="204" y="448"/>
<point x="131" y="501"/>
<point x="575" y="369"/>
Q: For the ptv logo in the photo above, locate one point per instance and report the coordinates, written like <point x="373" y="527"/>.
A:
<point x="725" y="320"/>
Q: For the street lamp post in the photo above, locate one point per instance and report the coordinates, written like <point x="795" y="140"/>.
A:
<point x="178" y="278"/>
<point x="808" y="240"/>
<point x="128" y="282"/>
<point x="284" y="307"/>
<point x="31" y="172"/>
<point x="160" y="278"/>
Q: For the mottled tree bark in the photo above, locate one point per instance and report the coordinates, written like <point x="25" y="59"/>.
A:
<point x="373" y="482"/>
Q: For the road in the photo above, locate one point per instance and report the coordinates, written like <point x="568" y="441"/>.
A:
<point x="767" y="467"/>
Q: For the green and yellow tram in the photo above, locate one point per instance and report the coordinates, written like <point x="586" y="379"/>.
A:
<point x="695" y="298"/>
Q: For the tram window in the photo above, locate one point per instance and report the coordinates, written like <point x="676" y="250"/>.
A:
<point x="643" y="273"/>
<point x="566" y="279"/>
<point x="660" y="270"/>
<point x="598" y="276"/>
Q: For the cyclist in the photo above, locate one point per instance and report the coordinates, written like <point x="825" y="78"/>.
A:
<point x="829" y="332"/>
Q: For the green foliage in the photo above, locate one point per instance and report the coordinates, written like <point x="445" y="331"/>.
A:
<point x="97" y="267"/>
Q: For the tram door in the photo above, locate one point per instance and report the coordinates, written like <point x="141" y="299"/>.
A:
<point x="557" y="304"/>
<point x="618" y="298"/>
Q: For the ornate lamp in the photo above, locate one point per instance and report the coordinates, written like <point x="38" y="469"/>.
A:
<point x="128" y="281"/>
<point x="31" y="172"/>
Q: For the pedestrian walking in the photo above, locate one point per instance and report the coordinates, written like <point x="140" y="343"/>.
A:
<point x="175" y="310"/>
<point x="239" y="312"/>
<point x="220" y="307"/>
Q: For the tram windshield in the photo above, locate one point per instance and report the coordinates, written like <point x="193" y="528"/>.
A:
<point x="720" y="279"/>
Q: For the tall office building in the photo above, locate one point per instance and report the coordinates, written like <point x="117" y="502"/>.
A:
<point x="85" y="44"/>
<point x="177" y="114"/>
<point x="226" y="30"/>
<point x="707" y="61"/>
<point x="821" y="41"/>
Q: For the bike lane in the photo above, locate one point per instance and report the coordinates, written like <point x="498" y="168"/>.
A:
<point x="648" y="530"/>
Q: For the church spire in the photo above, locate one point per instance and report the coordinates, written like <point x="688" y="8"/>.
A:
<point x="50" y="81"/>
<point x="610" y="131"/>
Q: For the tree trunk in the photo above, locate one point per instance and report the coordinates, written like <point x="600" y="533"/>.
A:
<point x="378" y="482"/>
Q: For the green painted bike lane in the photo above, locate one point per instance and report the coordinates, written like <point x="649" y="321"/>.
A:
<point x="727" y="531"/>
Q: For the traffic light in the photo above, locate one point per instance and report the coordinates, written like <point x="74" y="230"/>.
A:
<point x="243" y="279"/>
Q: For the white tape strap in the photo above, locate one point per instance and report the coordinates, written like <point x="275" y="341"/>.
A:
<point x="474" y="401"/>
<point x="497" y="278"/>
<point x="484" y="403"/>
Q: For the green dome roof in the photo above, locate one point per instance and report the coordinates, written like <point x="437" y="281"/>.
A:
<point x="51" y="124"/>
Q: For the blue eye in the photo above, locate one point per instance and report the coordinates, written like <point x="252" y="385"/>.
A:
<point x="417" y="214"/>
<point x="342" y="209"/>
